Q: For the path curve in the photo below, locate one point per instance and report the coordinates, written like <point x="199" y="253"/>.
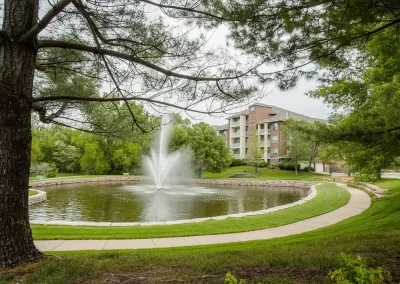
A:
<point x="359" y="202"/>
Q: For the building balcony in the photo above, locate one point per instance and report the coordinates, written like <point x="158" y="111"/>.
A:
<point x="235" y="123"/>
<point x="235" y="134"/>
<point x="268" y="156"/>
<point x="236" y="156"/>
<point x="235" y="145"/>
<point x="260" y="131"/>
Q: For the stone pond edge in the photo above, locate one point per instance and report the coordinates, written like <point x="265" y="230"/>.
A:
<point x="40" y="197"/>
<point x="267" y="183"/>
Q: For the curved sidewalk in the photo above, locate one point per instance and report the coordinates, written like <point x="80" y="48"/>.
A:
<point x="359" y="202"/>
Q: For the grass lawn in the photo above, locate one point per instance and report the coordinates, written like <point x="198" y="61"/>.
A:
<point x="304" y="258"/>
<point x="265" y="174"/>
<point x="61" y="176"/>
<point x="32" y="193"/>
<point x="329" y="197"/>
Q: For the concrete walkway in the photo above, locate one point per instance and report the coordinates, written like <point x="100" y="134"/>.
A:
<point x="359" y="201"/>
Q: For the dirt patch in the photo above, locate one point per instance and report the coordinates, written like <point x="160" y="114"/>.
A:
<point x="297" y="275"/>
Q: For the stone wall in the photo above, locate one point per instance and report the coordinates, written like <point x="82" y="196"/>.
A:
<point x="40" y="197"/>
<point x="266" y="183"/>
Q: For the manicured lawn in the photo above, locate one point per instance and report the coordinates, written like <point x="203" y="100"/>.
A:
<point x="329" y="198"/>
<point x="32" y="192"/>
<point x="61" y="176"/>
<point x="304" y="258"/>
<point x="264" y="174"/>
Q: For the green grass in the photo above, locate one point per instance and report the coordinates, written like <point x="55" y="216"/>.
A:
<point x="32" y="193"/>
<point x="61" y="176"/>
<point x="329" y="197"/>
<point x="304" y="258"/>
<point x="266" y="174"/>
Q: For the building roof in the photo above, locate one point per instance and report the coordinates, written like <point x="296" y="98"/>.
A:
<point x="239" y="113"/>
<point x="281" y="114"/>
<point x="278" y="114"/>
<point x="221" y="127"/>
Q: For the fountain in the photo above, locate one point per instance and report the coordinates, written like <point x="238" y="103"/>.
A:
<point x="161" y="162"/>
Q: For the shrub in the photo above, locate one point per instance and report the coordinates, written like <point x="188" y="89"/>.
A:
<point x="230" y="279"/>
<point x="273" y="166"/>
<point x="355" y="270"/>
<point x="308" y="169"/>
<point x="288" y="166"/>
<point x="258" y="163"/>
<point x="53" y="171"/>
<point x="237" y="162"/>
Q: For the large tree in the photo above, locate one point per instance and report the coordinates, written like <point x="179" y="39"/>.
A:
<point x="298" y="37"/>
<point x="132" y="54"/>
<point x="210" y="151"/>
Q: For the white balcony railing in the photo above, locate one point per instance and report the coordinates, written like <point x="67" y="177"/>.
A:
<point x="260" y="131"/>
<point x="234" y="123"/>
<point x="268" y="144"/>
<point x="235" y="145"/>
<point x="236" y="156"/>
<point x="235" y="134"/>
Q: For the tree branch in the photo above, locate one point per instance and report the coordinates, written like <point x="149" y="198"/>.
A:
<point x="85" y="99"/>
<point x="128" y="57"/>
<point x="42" y="24"/>
<point x="185" y="9"/>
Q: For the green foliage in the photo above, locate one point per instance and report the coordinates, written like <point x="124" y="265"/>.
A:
<point x="300" y="146"/>
<point x="308" y="169"/>
<point x="355" y="270"/>
<point x="237" y="163"/>
<point x="230" y="279"/>
<point x="273" y="166"/>
<point x="288" y="166"/>
<point x="256" y="163"/>
<point x="366" y="136"/>
<point x="52" y="172"/>
<point x="293" y="33"/>
<point x="254" y="152"/>
<point x="208" y="149"/>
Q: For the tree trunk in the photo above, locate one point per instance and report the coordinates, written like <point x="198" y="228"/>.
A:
<point x="295" y="167"/>
<point x="17" y="66"/>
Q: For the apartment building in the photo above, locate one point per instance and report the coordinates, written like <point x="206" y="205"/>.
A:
<point x="264" y="120"/>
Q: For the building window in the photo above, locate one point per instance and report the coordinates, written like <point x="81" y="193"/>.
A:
<point x="274" y="139"/>
<point x="275" y="152"/>
<point x="275" y="126"/>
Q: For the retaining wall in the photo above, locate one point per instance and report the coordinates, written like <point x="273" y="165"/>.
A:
<point x="266" y="183"/>
<point x="40" y="197"/>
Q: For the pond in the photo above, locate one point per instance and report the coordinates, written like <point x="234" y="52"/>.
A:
<point x="132" y="202"/>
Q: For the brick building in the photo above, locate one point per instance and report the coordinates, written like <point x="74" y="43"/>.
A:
<point x="264" y="120"/>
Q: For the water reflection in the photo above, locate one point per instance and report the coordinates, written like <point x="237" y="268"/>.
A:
<point x="127" y="202"/>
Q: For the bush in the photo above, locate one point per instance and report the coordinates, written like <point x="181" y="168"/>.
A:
<point x="273" y="166"/>
<point x="230" y="279"/>
<point x="237" y="162"/>
<point x="259" y="163"/>
<point x="288" y="166"/>
<point x="53" y="171"/>
<point x="308" y="169"/>
<point x="355" y="270"/>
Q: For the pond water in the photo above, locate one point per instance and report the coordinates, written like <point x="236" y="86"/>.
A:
<point x="128" y="202"/>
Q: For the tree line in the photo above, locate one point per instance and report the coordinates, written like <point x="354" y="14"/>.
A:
<point x="73" y="151"/>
